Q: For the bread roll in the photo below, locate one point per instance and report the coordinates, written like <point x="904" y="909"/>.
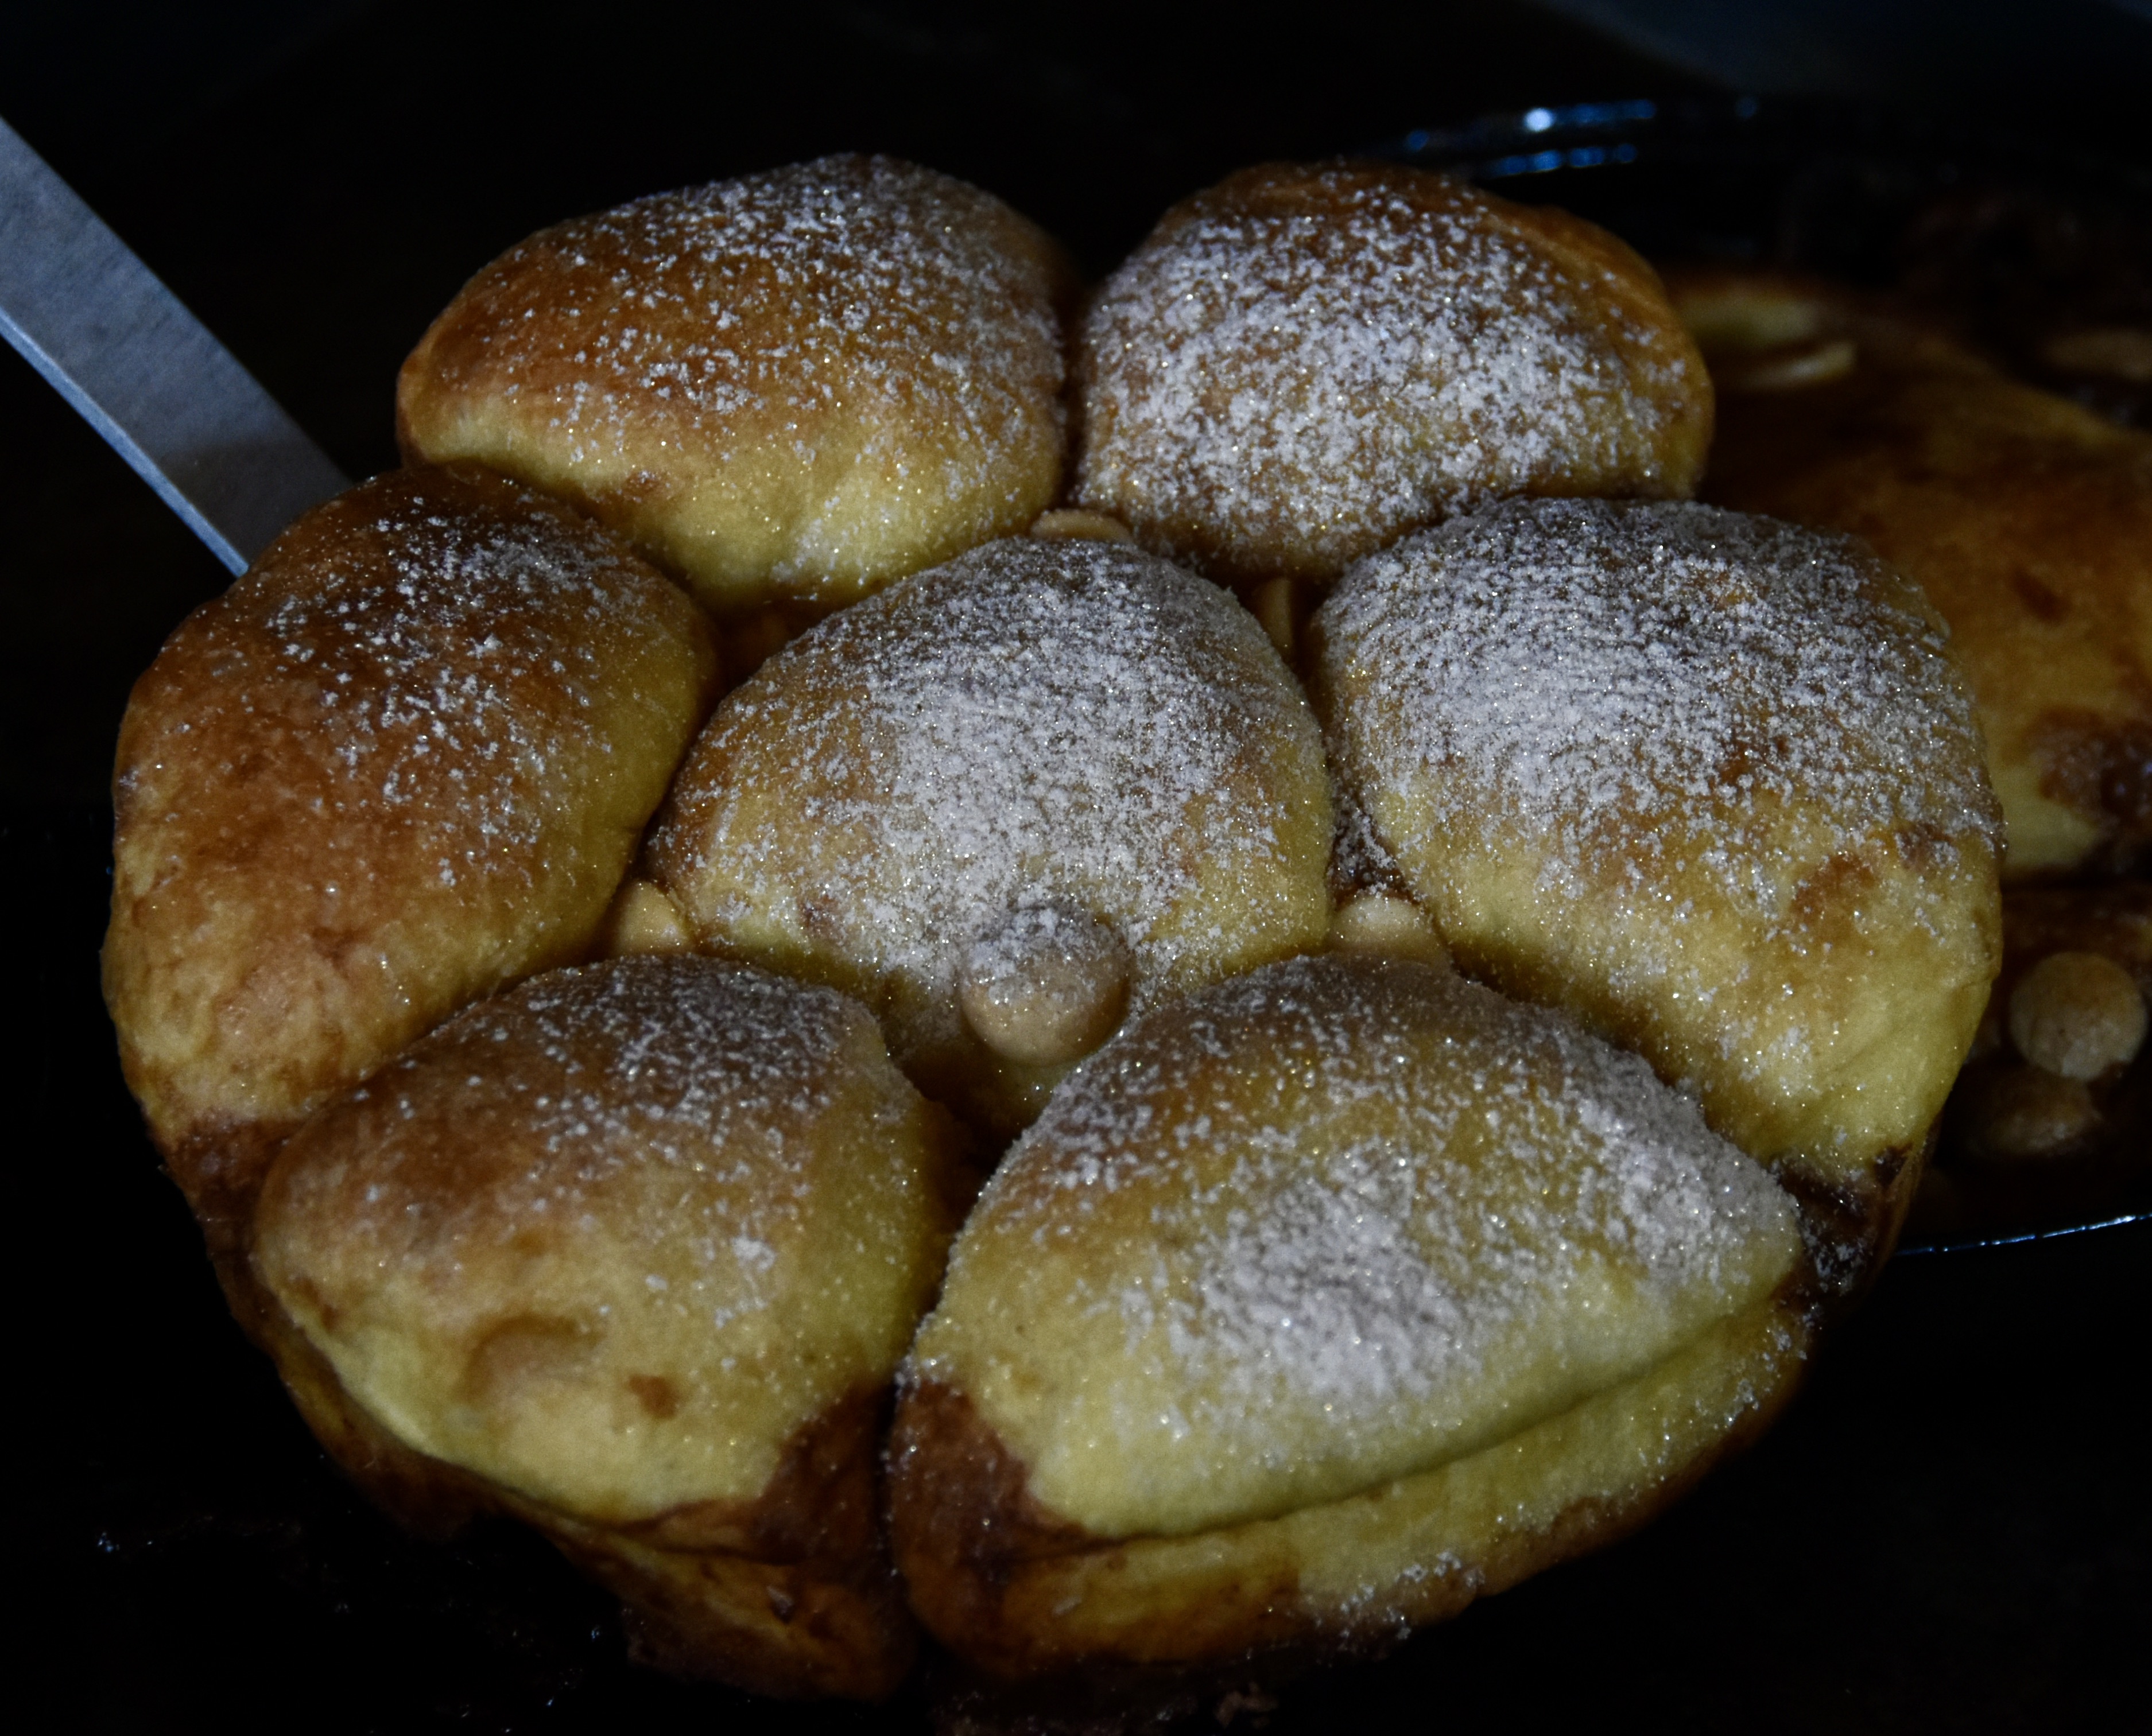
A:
<point x="632" y="1251"/>
<point x="1322" y="1301"/>
<point x="1304" y="362"/>
<point x="404" y="760"/>
<point x="1710" y="781"/>
<point x="2026" y="518"/>
<point x="1004" y="801"/>
<point x="790" y="388"/>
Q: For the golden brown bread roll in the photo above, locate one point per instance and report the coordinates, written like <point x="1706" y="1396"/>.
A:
<point x="790" y="387"/>
<point x="632" y="1251"/>
<point x="2026" y="518"/>
<point x="1322" y="1301"/>
<point x="402" y="760"/>
<point x="1710" y="781"/>
<point x="1003" y="801"/>
<point x="1302" y="363"/>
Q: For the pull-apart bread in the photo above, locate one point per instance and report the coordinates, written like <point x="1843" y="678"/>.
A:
<point x="1326" y="1290"/>
<point x="632" y="1251"/>
<point x="2026" y="518"/>
<point x="1302" y="363"/>
<point x="1316" y="1305"/>
<point x="790" y="389"/>
<point x="404" y="760"/>
<point x="1710" y="781"/>
<point x="1002" y="802"/>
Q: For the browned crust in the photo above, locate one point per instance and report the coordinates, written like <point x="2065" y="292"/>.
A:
<point x="525" y="339"/>
<point x="422" y="1493"/>
<point x="791" y="1594"/>
<point x="220" y="1171"/>
<point x="971" y="1542"/>
<point x="232" y="809"/>
<point x="1850" y="1227"/>
<point x="1610" y="288"/>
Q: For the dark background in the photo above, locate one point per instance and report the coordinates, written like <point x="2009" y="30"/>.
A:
<point x="1949" y="1531"/>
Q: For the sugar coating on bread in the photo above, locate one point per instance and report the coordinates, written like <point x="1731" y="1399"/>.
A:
<point x="1661" y="678"/>
<point x="401" y="760"/>
<point x="610" y="1239"/>
<point x="1712" y="780"/>
<point x="1300" y="364"/>
<point x="1064" y="725"/>
<point x="1332" y="1223"/>
<point x="792" y="386"/>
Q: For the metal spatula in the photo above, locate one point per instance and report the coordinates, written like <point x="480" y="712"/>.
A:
<point x="144" y="373"/>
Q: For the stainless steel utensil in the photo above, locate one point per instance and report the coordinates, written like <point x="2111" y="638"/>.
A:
<point x="143" y="371"/>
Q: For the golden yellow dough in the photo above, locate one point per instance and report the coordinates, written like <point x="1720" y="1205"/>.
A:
<point x="1004" y="801"/>
<point x="402" y="760"/>
<point x="790" y="387"/>
<point x="2026" y="518"/>
<point x="613" y="1244"/>
<point x="1321" y="1300"/>
<point x="1710" y="781"/>
<point x="1304" y="362"/>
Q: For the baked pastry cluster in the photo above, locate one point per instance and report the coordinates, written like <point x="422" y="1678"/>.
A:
<point x="584" y="1091"/>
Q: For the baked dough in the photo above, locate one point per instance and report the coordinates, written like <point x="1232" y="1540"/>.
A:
<point x="790" y="387"/>
<point x="1304" y="362"/>
<point x="1710" y="781"/>
<point x="1003" y="801"/>
<point x="1322" y="1301"/>
<point x="633" y="1252"/>
<point x="2026" y="518"/>
<point x="404" y="760"/>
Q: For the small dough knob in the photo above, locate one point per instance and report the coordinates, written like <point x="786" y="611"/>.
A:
<point x="1382" y="922"/>
<point x="2076" y="1015"/>
<point x="1047" y="985"/>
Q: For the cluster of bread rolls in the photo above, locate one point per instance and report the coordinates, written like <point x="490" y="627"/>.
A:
<point x="1144" y="708"/>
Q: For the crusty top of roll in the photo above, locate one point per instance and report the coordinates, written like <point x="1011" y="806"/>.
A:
<point x="1711" y="781"/>
<point x="1301" y="364"/>
<point x="1063" y="723"/>
<point x="796" y="385"/>
<point x="611" y="1239"/>
<point x="1650" y="680"/>
<point x="403" y="760"/>
<point x="1334" y="1222"/>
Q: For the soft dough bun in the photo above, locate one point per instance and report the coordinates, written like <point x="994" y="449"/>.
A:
<point x="1004" y="801"/>
<point x="2026" y="518"/>
<point x="1320" y="1303"/>
<point x="791" y="388"/>
<point x="633" y="1252"/>
<point x="402" y="760"/>
<point x="1710" y="781"/>
<point x="1302" y="364"/>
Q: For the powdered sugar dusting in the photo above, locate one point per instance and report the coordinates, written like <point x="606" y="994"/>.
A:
<point x="440" y="664"/>
<point x="1065" y="724"/>
<point x="1380" y="1206"/>
<point x="1624" y="683"/>
<point x="587" y="1087"/>
<point x="915" y="305"/>
<point x="1301" y="364"/>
